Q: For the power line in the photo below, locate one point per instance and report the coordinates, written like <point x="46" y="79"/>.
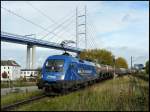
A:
<point x="27" y="20"/>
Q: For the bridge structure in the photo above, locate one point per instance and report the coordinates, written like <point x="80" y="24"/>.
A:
<point x="32" y="43"/>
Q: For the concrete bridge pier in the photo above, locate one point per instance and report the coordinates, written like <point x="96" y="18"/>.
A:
<point x="33" y="56"/>
<point x="30" y="59"/>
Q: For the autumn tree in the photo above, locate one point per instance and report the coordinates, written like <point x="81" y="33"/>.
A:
<point x="101" y="56"/>
<point x="4" y="75"/>
<point x="121" y="63"/>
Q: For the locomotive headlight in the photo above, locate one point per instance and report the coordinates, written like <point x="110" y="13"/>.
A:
<point x="61" y="77"/>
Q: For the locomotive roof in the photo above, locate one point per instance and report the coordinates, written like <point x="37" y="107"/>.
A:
<point x="70" y="58"/>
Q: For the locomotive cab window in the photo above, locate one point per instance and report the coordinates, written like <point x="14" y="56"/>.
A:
<point x="54" y="65"/>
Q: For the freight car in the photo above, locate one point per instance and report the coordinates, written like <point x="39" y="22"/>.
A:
<point x="104" y="71"/>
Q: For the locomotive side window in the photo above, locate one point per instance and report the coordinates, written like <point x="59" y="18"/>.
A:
<point x="54" y="65"/>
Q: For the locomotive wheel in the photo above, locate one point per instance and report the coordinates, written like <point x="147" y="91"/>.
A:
<point x="90" y="82"/>
<point x="47" y="89"/>
<point x="85" y="84"/>
<point x="64" y="90"/>
<point x="94" y="81"/>
<point x="39" y="87"/>
<point x="76" y="87"/>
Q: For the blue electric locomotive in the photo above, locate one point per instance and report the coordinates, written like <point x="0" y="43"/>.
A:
<point x="63" y="72"/>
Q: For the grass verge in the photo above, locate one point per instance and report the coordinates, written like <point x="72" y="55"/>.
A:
<point x="125" y="93"/>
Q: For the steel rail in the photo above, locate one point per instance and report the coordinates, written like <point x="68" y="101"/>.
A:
<point x="16" y="104"/>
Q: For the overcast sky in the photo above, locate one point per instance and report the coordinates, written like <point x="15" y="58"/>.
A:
<point x="120" y="27"/>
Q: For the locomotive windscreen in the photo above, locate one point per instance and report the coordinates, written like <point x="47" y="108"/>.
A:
<point x="54" y="65"/>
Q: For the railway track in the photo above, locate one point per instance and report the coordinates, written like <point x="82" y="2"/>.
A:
<point x="11" y="106"/>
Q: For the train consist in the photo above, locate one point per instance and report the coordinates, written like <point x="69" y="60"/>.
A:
<point x="63" y="73"/>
